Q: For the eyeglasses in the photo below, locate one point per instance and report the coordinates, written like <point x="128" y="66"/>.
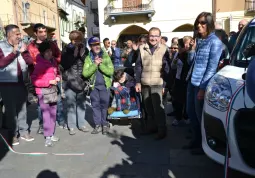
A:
<point x="202" y="22"/>
<point x="154" y="36"/>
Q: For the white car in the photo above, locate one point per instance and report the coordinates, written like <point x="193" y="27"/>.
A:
<point x="225" y="96"/>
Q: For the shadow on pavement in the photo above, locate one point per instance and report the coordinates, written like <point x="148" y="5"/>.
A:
<point x="146" y="158"/>
<point x="47" y="174"/>
<point x="8" y="136"/>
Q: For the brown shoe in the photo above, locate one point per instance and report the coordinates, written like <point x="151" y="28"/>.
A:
<point x="27" y="137"/>
<point x="15" y="141"/>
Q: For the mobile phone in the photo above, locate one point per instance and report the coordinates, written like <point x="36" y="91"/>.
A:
<point x="20" y="45"/>
<point x="195" y="33"/>
<point x="181" y="43"/>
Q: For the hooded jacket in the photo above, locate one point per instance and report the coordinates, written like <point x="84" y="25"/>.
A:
<point x="44" y="71"/>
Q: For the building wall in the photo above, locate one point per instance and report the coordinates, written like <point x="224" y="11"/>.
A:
<point x="76" y="12"/>
<point x="40" y="11"/>
<point x="90" y="19"/>
<point x="167" y="17"/>
<point x="6" y="13"/>
<point x="229" y="5"/>
<point x="229" y="13"/>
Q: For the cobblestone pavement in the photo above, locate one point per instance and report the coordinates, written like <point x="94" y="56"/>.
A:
<point x="121" y="154"/>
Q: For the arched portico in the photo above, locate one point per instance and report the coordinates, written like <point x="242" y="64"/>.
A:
<point x="130" y="33"/>
<point x="184" y="28"/>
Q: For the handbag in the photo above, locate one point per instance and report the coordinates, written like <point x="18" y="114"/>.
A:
<point x="50" y="95"/>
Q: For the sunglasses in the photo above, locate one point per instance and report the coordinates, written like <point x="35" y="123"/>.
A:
<point x="202" y="22"/>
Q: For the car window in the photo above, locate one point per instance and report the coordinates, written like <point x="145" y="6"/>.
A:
<point x="249" y="37"/>
<point x="246" y="37"/>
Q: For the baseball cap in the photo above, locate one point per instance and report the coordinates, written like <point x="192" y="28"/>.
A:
<point x="93" y="40"/>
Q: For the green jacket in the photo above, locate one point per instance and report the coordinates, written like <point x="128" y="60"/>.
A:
<point x="106" y="67"/>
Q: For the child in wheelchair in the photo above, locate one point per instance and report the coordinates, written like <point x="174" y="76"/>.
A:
<point x="124" y="93"/>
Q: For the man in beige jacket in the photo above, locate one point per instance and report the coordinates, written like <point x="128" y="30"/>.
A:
<point x="150" y="68"/>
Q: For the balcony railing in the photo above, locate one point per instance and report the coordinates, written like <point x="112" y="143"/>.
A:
<point x="110" y="10"/>
<point x="250" y="6"/>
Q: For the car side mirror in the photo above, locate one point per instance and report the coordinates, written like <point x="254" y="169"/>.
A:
<point x="249" y="51"/>
<point x="244" y="76"/>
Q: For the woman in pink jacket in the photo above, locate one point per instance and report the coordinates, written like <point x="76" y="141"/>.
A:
<point x="44" y="77"/>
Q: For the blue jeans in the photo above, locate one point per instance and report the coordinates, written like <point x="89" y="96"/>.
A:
<point x="194" y="111"/>
<point x="60" y="115"/>
<point x="75" y="106"/>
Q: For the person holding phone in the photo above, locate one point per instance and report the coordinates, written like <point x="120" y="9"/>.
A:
<point x="72" y="61"/>
<point x="180" y="64"/>
<point x="14" y="63"/>
<point x="203" y="58"/>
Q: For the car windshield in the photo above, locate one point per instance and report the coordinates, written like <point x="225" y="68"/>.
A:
<point x="247" y="36"/>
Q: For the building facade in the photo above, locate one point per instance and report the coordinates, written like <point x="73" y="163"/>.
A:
<point x="127" y="19"/>
<point x="230" y="12"/>
<point x="30" y="12"/>
<point x="72" y="16"/>
<point x="92" y="19"/>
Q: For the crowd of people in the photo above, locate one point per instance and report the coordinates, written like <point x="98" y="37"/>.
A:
<point x="63" y="80"/>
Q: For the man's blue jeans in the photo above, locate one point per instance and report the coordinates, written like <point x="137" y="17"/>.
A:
<point x="60" y="115"/>
<point x="194" y="111"/>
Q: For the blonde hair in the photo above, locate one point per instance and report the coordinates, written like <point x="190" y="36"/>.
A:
<point x="186" y="38"/>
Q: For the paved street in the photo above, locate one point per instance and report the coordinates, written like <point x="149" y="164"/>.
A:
<point x="121" y="154"/>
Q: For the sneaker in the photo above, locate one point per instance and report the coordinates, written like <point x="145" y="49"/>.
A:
<point x="175" y="122"/>
<point x="71" y="131"/>
<point x="84" y="129"/>
<point x="96" y="130"/>
<point x="105" y="130"/>
<point x="27" y="137"/>
<point x="40" y="129"/>
<point x="15" y="141"/>
<point x="48" y="142"/>
<point x="63" y="126"/>
<point x="187" y="121"/>
<point x="54" y="138"/>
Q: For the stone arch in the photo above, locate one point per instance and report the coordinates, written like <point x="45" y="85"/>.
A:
<point x="130" y="33"/>
<point x="184" y="28"/>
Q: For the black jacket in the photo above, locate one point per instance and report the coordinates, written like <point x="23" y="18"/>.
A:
<point x="72" y="68"/>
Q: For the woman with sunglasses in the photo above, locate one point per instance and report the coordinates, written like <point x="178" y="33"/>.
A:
<point x="203" y="58"/>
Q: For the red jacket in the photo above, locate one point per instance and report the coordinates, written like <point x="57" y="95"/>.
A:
<point x="33" y="50"/>
<point x="44" y="71"/>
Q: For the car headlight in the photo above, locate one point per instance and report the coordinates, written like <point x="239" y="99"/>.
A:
<point x="219" y="93"/>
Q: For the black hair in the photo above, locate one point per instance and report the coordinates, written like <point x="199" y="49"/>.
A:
<point x="209" y="22"/>
<point x="106" y="39"/>
<point x="82" y="29"/>
<point x="44" y="46"/>
<point x="164" y="38"/>
<point x="9" y="28"/>
<point x="37" y="26"/>
<point x="118" y="74"/>
<point x="141" y="37"/>
<point x="223" y="35"/>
